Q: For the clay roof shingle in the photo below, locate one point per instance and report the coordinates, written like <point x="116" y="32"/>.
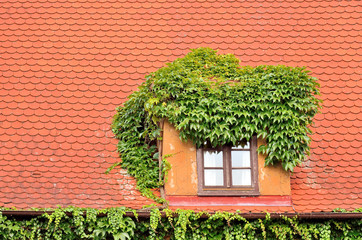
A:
<point x="66" y="65"/>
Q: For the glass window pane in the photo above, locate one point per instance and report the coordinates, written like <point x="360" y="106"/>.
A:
<point x="213" y="158"/>
<point x="241" y="177"/>
<point x="240" y="159"/>
<point x="246" y="146"/>
<point x="214" y="177"/>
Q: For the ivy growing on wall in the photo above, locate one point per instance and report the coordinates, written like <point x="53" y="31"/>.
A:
<point x="76" y="223"/>
<point x="212" y="100"/>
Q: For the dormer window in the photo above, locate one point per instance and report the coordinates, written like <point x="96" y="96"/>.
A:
<point x="228" y="170"/>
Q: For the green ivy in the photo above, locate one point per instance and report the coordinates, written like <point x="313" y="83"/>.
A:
<point x="212" y="100"/>
<point x="71" y="223"/>
<point x="77" y="223"/>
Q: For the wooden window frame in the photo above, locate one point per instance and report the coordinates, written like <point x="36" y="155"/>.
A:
<point x="228" y="189"/>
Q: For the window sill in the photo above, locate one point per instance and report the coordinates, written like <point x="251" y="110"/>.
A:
<point x="228" y="192"/>
<point x="270" y="200"/>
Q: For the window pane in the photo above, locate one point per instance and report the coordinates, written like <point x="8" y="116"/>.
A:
<point x="214" y="177"/>
<point x="241" y="177"/>
<point x="246" y="146"/>
<point x="213" y="158"/>
<point x="240" y="159"/>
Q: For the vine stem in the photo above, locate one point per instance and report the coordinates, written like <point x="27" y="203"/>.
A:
<point x="160" y="154"/>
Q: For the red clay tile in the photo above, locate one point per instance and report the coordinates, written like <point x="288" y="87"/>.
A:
<point x="97" y="43"/>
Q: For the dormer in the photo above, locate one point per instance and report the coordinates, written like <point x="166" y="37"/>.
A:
<point x="229" y="175"/>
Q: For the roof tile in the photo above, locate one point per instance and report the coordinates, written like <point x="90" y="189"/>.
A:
<point x="66" y="66"/>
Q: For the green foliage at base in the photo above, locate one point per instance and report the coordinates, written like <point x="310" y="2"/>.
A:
<point x="212" y="100"/>
<point x="71" y="223"/>
<point x="76" y="223"/>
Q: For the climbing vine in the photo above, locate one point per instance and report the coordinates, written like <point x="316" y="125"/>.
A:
<point x="76" y="223"/>
<point x="212" y="100"/>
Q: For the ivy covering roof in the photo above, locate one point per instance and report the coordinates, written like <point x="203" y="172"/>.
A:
<point x="213" y="101"/>
<point x="66" y="65"/>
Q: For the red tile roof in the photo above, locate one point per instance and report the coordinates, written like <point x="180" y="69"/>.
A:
<point x="66" y="65"/>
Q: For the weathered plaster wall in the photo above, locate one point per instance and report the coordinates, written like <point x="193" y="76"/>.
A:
<point x="182" y="178"/>
<point x="273" y="180"/>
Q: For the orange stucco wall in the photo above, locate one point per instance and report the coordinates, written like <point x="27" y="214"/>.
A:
<point x="182" y="178"/>
<point x="273" y="180"/>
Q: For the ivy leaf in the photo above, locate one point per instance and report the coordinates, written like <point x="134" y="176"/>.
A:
<point x="122" y="236"/>
<point x="155" y="156"/>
